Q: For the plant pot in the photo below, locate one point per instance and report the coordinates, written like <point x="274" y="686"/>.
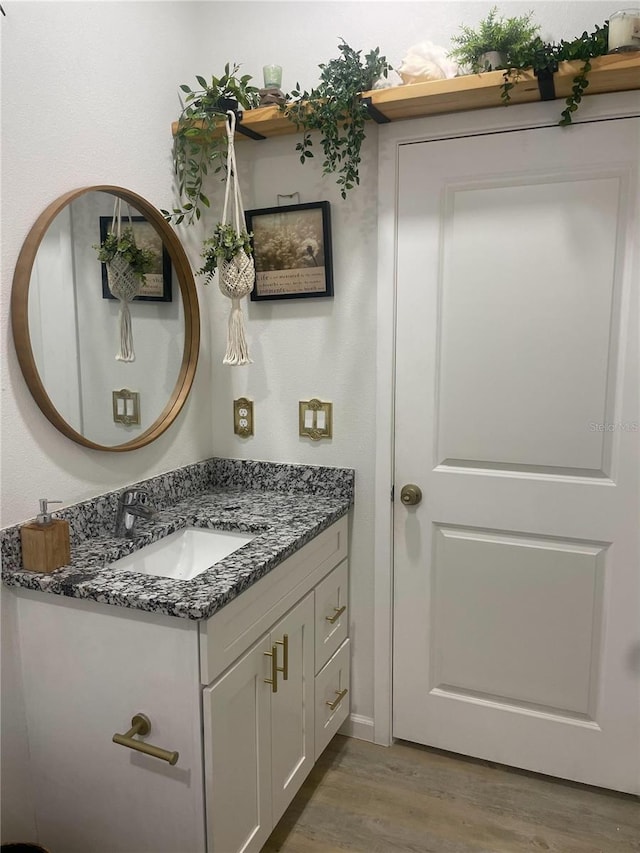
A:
<point x="224" y="104"/>
<point x="490" y="60"/>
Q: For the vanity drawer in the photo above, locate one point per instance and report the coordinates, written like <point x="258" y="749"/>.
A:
<point x="332" y="697"/>
<point x="332" y="613"/>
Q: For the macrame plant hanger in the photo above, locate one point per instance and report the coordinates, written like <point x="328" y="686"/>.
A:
<point x="124" y="285"/>
<point x="236" y="276"/>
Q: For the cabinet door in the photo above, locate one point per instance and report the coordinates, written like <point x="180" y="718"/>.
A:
<point x="237" y="737"/>
<point x="87" y="669"/>
<point x="292" y="738"/>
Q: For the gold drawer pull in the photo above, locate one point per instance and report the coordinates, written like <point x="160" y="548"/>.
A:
<point x="141" y="725"/>
<point x="337" y="614"/>
<point x="340" y="694"/>
<point x="284" y="669"/>
<point x="273" y="681"/>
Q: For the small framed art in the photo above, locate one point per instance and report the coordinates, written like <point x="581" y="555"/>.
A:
<point x="292" y="251"/>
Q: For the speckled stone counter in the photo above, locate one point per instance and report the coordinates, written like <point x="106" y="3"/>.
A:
<point x="284" y="505"/>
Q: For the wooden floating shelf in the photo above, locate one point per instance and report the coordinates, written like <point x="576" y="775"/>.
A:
<point x="618" y="72"/>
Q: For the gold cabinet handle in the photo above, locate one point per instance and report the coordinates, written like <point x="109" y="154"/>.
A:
<point x="338" y="611"/>
<point x="284" y="669"/>
<point x="340" y="694"/>
<point x="273" y="681"/>
<point x="141" y="725"/>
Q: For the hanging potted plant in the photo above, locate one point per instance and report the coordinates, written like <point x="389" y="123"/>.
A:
<point x="127" y="265"/>
<point x="229" y="251"/>
<point x="123" y="247"/>
<point x="224" y="245"/>
<point x="494" y="43"/>
<point x="334" y="108"/>
<point x="199" y="144"/>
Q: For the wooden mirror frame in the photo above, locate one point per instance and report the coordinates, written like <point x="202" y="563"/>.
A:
<point x="20" y="318"/>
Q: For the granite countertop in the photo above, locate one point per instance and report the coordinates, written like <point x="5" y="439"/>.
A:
<point x="285" y="506"/>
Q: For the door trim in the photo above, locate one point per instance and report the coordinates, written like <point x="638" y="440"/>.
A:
<point x="618" y="105"/>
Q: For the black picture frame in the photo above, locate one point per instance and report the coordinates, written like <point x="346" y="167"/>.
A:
<point x="292" y="251"/>
<point x="158" y="282"/>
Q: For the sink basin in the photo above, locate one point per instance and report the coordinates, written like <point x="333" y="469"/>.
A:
<point x="185" y="554"/>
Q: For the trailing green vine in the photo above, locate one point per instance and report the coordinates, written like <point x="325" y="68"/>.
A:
<point x="334" y="107"/>
<point x="544" y="57"/>
<point x="584" y="48"/>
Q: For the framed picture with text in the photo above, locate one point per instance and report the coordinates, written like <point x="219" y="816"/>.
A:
<point x="292" y="251"/>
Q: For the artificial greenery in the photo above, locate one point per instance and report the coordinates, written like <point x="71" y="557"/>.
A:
<point x="510" y="37"/>
<point x="198" y="145"/>
<point x="140" y="260"/>
<point x="543" y="57"/>
<point x="334" y="108"/>
<point x="584" y="48"/>
<point x="224" y="245"/>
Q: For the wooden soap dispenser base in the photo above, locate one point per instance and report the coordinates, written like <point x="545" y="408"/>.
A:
<point x="45" y="541"/>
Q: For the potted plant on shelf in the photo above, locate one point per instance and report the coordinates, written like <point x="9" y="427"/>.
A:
<point x="199" y="144"/>
<point x="334" y="108"/>
<point x="495" y="43"/>
<point x="229" y="251"/>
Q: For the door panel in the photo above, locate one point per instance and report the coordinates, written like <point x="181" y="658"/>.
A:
<point x="516" y="592"/>
<point x="525" y="263"/>
<point x="517" y="618"/>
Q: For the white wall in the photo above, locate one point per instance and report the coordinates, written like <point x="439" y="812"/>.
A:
<point x="89" y="90"/>
<point x="88" y="94"/>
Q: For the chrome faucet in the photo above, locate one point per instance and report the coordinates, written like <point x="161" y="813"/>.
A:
<point x="132" y="504"/>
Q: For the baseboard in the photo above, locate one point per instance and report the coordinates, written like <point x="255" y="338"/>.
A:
<point x="358" y="727"/>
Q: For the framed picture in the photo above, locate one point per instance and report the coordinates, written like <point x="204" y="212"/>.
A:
<point x="157" y="286"/>
<point x="292" y="251"/>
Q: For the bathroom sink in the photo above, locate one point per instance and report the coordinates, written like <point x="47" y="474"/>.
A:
<point x="185" y="554"/>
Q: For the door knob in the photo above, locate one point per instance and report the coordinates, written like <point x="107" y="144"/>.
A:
<point x="411" y="495"/>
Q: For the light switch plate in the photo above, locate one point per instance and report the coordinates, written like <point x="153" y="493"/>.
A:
<point x="243" y="417"/>
<point x="315" y="419"/>
<point x="126" y="406"/>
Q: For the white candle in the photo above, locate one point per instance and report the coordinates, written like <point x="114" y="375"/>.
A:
<point x="624" y="30"/>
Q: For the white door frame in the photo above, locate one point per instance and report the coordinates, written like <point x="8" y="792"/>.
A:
<point x="390" y="138"/>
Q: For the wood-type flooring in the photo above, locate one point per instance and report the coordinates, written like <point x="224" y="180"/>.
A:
<point x="412" y="799"/>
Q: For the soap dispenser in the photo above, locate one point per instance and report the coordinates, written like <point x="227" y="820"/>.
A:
<point x="45" y="541"/>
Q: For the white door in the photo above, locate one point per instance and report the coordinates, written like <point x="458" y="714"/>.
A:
<point x="516" y="591"/>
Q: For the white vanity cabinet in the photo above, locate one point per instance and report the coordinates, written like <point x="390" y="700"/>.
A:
<point x="259" y="733"/>
<point x="260" y="713"/>
<point x="249" y="698"/>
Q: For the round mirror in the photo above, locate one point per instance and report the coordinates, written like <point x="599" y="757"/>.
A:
<point x="69" y="329"/>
